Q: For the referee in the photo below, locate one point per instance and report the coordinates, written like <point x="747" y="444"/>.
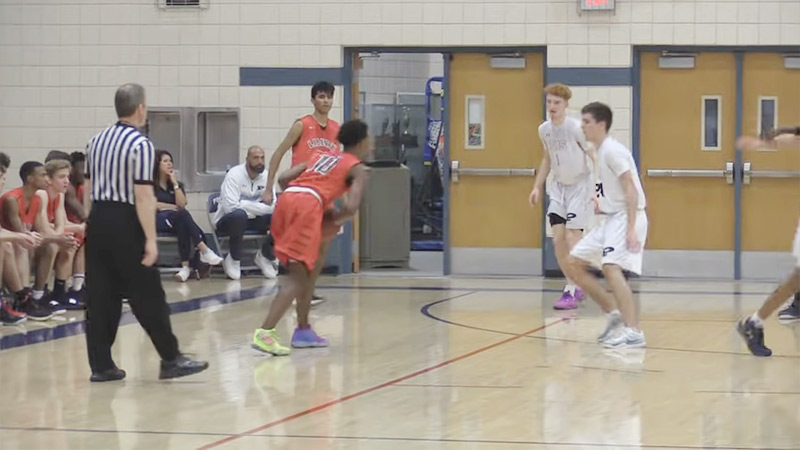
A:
<point x="121" y="243"/>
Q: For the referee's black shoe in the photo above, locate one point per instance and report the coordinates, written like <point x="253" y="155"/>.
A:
<point x="181" y="367"/>
<point x="108" y="375"/>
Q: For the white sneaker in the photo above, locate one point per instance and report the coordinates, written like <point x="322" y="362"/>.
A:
<point x="210" y="258"/>
<point x="626" y="338"/>
<point x="266" y="266"/>
<point x="233" y="268"/>
<point x="183" y="274"/>
<point x="614" y="321"/>
<point x="315" y="300"/>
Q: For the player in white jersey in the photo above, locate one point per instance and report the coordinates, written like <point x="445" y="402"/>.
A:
<point x="571" y="187"/>
<point x="752" y="328"/>
<point x="620" y="237"/>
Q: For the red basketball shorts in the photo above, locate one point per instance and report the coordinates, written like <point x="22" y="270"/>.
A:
<point x="297" y="228"/>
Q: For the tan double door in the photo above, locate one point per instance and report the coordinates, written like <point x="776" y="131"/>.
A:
<point x="688" y="164"/>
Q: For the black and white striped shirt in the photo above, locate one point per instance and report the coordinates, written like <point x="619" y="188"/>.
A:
<point x="117" y="159"/>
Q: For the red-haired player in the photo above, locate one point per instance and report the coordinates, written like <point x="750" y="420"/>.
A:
<point x="301" y="216"/>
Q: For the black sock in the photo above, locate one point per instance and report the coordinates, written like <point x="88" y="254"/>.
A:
<point x="58" y="288"/>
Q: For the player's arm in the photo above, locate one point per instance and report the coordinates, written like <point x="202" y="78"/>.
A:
<point x="544" y="170"/>
<point x="26" y="240"/>
<point x="780" y="138"/>
<point x="351" y="202"/>
<point x="544" y="166"/>
<point x="60" y="221"/>
<point x="782" y="131"/>
<point x="787" y="140"/>
<point x="63" y="222"/>
<point x="51" y="233"/>
<point x="87" y="183"/>
<point x="541" y="176"/>
<point x="631" y="197"/>
<point x="289" y="175"/>
<point x="74" y="205"/>
<point x="618" y="162"/>
<point x="275" y="161"/>
<point x="41" y="222"/>
<point x="11" y="211"/>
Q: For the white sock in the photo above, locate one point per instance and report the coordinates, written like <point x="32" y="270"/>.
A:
<point x="37" y="295"/>
<point x="757" y="321"/>
<point x="570" y="288"/>
<point x="77" y="281"/>
<point x="613" y="313"/>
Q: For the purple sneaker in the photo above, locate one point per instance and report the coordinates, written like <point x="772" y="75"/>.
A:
<point x="579" y="294"/>
<point x="307" y="338"/>
<point x="567" y="301"/>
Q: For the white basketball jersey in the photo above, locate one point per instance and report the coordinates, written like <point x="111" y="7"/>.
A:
<point x="566" y="146"/>
<point x="613" y="159"/>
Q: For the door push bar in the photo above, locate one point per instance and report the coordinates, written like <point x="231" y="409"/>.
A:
<point x="456" y="171"/>
<point x="726" y="173"/>
<point x="748" y="173"/>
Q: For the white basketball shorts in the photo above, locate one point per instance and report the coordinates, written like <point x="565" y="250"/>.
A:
<point x="572" y="202"/>
<point x="610" y="239"/>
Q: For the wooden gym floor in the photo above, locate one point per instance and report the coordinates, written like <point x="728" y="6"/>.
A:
<point x="416" y="363"/>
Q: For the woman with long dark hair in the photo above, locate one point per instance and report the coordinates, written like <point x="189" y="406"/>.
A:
<point x="173" y="217"/>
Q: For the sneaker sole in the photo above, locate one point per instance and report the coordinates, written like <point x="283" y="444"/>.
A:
<point x="564" y="308"/>
<point x="626" y="345"/>
<point x="267" y="351"/>
<point x="309" y="345"/>
<point x="18" y="322"/>
<point x="181" y="373"/>
<point x="40" y="319"/>
<point x="786" y="320"/>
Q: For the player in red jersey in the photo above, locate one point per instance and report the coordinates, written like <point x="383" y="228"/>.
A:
<point x="310" y="135"/>
<point x="54" y="221"/>
<point x="301" y="217"/>
<point x="75" y="201"/>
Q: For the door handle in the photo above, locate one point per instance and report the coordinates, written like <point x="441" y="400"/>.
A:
<point x="456" y="171"/>
<point x="726" y="173"/>
<point x="749" y="173"/>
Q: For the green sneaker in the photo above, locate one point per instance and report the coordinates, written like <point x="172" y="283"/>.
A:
<point x="267" y="341"/>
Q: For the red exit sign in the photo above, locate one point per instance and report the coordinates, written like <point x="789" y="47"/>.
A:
<point x="597" y="5"/>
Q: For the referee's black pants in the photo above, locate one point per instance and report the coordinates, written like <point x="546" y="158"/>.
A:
<point x="114" y="250"/>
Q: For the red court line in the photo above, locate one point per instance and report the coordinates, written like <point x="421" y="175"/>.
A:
<point x="374" y="388"/>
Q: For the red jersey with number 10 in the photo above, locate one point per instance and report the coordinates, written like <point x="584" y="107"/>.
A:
<point x="315" y="139"/>
<point x="326" y="174"/>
